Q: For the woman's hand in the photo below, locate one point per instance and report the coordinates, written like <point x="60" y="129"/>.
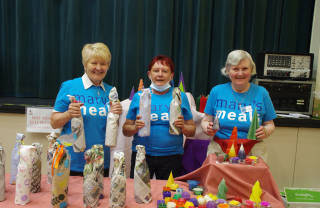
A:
<point x="74" y="110"/>
<point x="179" y="122"/>
<point x="210" y="131"/>
<point x="138" y="123"/>
<point x="116" y="108"/>
<point x="260" y="133"/>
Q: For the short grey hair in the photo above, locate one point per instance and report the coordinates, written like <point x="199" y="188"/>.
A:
<point x="234" y="58"/>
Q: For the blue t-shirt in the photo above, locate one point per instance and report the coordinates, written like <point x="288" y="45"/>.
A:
<point x="160" y="142"/>
<point x="94" y="112"/>
<point x="221" y="98"/>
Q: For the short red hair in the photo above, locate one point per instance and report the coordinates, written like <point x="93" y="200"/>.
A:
<point x="164" y="60"/>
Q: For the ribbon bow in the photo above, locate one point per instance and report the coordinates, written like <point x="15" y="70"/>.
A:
<point x="59" y="155"/>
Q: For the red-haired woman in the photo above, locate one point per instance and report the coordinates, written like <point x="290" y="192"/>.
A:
<point x="163" y="150"/>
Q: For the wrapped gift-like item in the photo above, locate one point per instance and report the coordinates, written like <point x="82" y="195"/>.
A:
<point x="175" y="111"/>
<point x="2" y="173"/>
<point x="112" y="122"/>
<point x="93" y="176"/>
<point x="15" y="158"/>
<point x="145" y="112"/>
<point x="78" y="128"/>
<point x="36" y="169"/>
<point x="117" y="197"/>
<point x="52" y="139"/>
<point x="23" y="182"/>
<point x="60" y="172"/>
<point x="142" y="187"/>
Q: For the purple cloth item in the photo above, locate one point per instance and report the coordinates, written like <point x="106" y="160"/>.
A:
<point x="195" y="153"/>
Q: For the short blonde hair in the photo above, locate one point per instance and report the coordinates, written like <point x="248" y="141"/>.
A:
<point x="234" y="58"/>
<point x="96" y="50"/>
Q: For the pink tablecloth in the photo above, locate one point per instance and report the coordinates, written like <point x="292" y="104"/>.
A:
<point x="239" y="179"/>
<point x="42" y="199"/>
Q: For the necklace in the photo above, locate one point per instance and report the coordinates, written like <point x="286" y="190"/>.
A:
<point x="98" y="89"/>
<point x="241" y="100"/>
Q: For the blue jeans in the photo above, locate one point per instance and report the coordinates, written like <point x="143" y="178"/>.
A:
<point x="160" y="165"/>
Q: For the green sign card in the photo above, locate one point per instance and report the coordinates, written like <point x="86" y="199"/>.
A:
<point x="311" y="195"/>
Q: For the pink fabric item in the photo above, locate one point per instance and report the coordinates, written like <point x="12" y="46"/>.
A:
<point x="239" y="179"/>
<point x="75" y="195"/>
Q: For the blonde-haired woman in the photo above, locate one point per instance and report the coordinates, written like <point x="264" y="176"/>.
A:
<point x="93" y="94"/>
<point x="235" y="102"/>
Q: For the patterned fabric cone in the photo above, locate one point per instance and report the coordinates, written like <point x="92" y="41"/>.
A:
<point x="145" y="112"/>
<point x="142" y="186"/>
<point x="61" y="171"/>
<point x="23" y="181"/>
<point x="36" y="169"/>
<point x="175" y="111"/>
<point x="15" y="158"/>
<point x="52" y="139"/>
<point x="93" y="176"/>
<point x="222" y="190"/>
<point x="254" y="126"/>
<point x="78" y="128"/>
<point x="117" y="198"/>
<point x="112" y="122"/>
<point x="2" y="173"/>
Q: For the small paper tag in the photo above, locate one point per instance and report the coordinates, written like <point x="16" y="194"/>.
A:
<point x="246" y="109"/>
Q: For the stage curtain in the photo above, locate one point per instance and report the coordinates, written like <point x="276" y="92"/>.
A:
<point x="41" y="40"/>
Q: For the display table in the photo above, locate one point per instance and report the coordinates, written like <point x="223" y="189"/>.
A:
<point x="239" y="179"/>
<point x="43" y="198"/>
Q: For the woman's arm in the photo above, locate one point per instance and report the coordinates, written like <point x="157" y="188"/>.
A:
<point x="59" y="119"/>
<point x="267" y="127"/>
<point x="131" y="127"/>
<point x="187" y="126"/>
<point x="207" y="124"/>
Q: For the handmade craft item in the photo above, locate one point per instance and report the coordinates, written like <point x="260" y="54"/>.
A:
<point x="232" y="152"/>
<point x="50" y="152"/>
<point x="171" y="205"/>
<point x="220" y="201"/>
<point x="175" y="111"/>
<point x="177" y="196"/>
<point x="265" y="204"/>
<point x="234" y="204"/>
<point x="222" y="190"/>
<point x="188" y="204"/>
<point x="216" y="123"/>
<point x="77" y="127"/>
<point x="185" y="195"/>
<point x="132" y="93"/>
<point x="145" y="112"/>
<point x="253" y="127"/>
<point x="234" y="160"/>
<point x="182" y="87"/>
<point x="2" y="173"/>
<point x="23" y="180"/>
<point x="93" y="174"/>
<point x="203" y="103"/>
<point x="15" y="158"/>
<point x="221" y="157"/>
<point x="170" y="183"/>
<point x="140" y="85"/>
<point x="142" y="186"/>
<point x="233" y="140"/>
<point x="198" y="102"/>
<point x="36" y="169"/>
<point x="242" y="153"/>
<point x="112" y="122"/>
<point x="256" y="193"/>
<point x="213" y="197"/>
<point x="117" y="197"/>
<point x="60" y="171"/>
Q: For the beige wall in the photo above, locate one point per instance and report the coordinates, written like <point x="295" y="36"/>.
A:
<point x="10" y="125"/>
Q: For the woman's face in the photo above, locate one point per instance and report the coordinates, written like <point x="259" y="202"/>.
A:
<point x="96" y="69"/>
<point x="160" y="74"/>
<point x="241" y="73"/>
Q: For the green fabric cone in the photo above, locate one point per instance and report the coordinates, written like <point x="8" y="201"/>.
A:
<point x="253" y="127"/>
<point x="198" y="102"/>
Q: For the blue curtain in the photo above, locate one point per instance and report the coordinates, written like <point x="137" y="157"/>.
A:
<point x="41" y="40"/>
